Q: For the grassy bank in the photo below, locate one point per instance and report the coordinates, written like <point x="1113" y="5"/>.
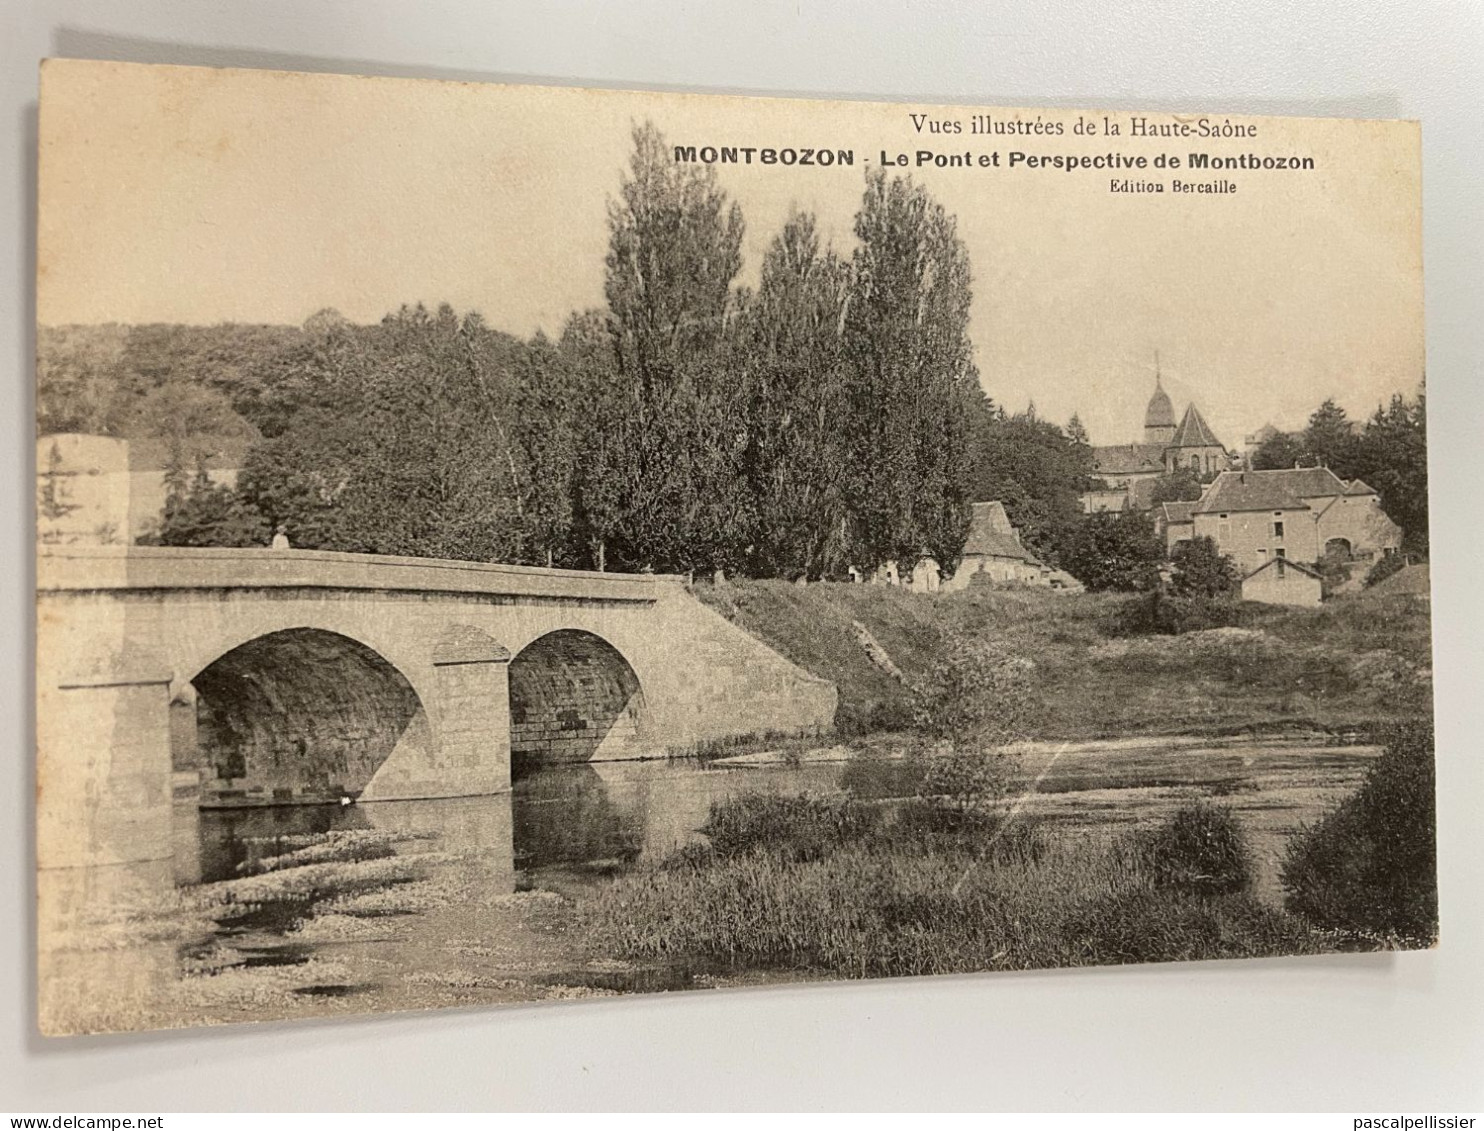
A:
<point x="1350" y="664"/>
<point x="832" y="886"/>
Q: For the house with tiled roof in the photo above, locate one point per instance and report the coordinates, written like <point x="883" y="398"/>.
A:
<point x="993" y="553"/>
<point x="1166" y="446"/>
<point x="1297" y="514"/>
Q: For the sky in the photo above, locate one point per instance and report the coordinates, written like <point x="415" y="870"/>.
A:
<point x="199" y="195"/>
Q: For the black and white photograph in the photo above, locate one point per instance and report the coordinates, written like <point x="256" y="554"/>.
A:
<point x="505" y="544"/>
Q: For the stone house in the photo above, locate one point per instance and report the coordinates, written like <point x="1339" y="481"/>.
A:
<point x="1298" y="514"/>
<point x="993" y="553"/>
<point x="1282" y="582"/>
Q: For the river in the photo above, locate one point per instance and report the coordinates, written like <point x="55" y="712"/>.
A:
<point x="313" y="910"/>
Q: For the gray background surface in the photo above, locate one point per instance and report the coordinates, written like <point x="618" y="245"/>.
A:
<point x="1379" y="1033"/>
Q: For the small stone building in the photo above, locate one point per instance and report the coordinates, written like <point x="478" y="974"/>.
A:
<point x="100" y="490"/>
<point x="993" y="553"/>
<point x="1283" y="582"/>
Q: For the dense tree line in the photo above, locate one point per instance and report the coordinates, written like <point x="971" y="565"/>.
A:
<point x="1037" y="469"/>
<point x="820" y="420"/>
<point x="1389" y="452"/>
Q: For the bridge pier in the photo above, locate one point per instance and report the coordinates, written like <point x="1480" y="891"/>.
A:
<point x="105" y="799"/>
<point x="468" y="706"/>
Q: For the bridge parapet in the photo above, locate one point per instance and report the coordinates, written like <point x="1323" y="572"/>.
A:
<point x="103" y="568"/>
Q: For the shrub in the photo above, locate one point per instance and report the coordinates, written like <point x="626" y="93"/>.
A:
<point x="966" y="781"/>
<point x="1159" y="612"/>
<point x="976" y="693"/>
<point x="1335" y="570"/>
<point x="1370" y="864"/>
<point x="1388" y="565"/>
<point x="1140" y="925"/>
<point x="878" y="716"/>
<point x="805" y="827"/>
<point x="1000" y="838"/>
<point x="1179" y="486"/>
<point x="885" y="909"/>
<point x="1200" y="851"/>
<point x="1199" y="569"/>
<point x="1115" y="552"/>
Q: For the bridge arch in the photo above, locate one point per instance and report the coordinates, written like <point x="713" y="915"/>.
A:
<point x="574" y="697"/>
<point x="297" y="715"/>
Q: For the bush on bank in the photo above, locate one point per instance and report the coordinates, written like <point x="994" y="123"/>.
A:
<point x="1201" y="850"/>
<point x="1370" y="864"/>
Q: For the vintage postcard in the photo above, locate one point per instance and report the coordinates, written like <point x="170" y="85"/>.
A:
<point x="503" y="544"/>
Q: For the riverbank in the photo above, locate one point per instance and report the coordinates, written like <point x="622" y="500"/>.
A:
<point x="307" y="911"/>
<point x="1342" y="668"/>
<point x="989" y="877"/>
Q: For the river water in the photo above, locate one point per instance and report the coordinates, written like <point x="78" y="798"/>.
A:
<point x="309" y="910"/>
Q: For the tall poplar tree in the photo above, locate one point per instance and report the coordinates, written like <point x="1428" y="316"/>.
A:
<point x="674" y="251"/>
<point x="793" y="363"/>
<point x="912" y="378"/>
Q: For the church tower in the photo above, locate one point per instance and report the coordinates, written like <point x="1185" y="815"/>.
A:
<point x="1159" y="417"/>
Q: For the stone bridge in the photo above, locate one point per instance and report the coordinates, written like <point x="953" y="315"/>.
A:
<point x="260" y="677"/>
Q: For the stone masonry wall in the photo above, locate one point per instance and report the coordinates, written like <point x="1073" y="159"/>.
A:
<point x="573" y="698"/>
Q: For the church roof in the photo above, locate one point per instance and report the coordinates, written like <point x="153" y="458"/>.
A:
<point x="1194" y="432"/>
<point x="1160" y="413"/>
<point x="992" y="536"/>
<point x="1270" y="490"/>
<point x="1124" y="459"/>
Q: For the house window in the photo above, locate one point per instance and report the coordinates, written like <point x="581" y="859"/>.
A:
<point x="1278" y="530"/>
<point x="1281" y="552"/>
<point x="1281" y="567"/>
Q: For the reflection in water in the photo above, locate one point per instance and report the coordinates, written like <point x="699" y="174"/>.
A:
<point x="233" y="841"/>
<point x="877" y="779"/>
<point x="610" y="814"/>
<point x="564" y="815"/>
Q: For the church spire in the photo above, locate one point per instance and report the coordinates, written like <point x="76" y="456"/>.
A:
<point x="1159" y="417"/>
